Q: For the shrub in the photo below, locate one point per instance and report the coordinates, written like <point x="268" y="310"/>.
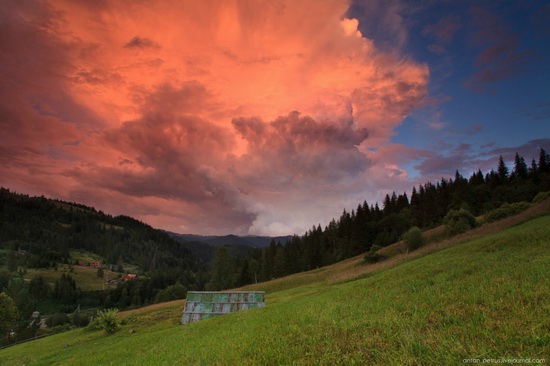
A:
<point x="107" y="320"/>
<point x="57" y="319"/>
<point x="459" y="221"/>
<point x="413" y="238"/>
<point x="507" y="210"/>
<point x="80" y="320"/>
<point x="8" y="315"/>
<point x="174" y="292"/>
<point x="373" y="256"/>
<point x="541" y="196"/>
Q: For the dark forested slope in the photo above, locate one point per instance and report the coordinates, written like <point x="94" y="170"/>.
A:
<point x="44" y="230"/>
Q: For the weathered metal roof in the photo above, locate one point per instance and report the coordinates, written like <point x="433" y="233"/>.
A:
<point x="206" y="304"/>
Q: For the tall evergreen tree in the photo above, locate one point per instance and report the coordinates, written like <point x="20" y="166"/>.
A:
<point x="223" y="272"/>
<point x="388" y="207"/>
<point x="402" y="201"/>
<point x="279" y="266"/>
<point x="502" y="170"/>
<point x="245" y="275"/>
<point x="533" y="169"/>
<point x="520" y="168"/>
<point x="477" y="178"/>
<point x="544" y="161"/>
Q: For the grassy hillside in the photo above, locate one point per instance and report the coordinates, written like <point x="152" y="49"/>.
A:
<point x="485" y="298"/>
<point x="85" y="276"/>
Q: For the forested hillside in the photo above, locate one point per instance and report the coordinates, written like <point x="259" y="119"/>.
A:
<point x="369" y="227"/>
<point x="45" y="229"/>
<point x="41" y="236"/>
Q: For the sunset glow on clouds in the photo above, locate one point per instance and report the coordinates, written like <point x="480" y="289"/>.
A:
<point x="213" y="117"/>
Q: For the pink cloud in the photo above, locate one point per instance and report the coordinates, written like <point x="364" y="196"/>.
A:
<point x="211" y="117"/>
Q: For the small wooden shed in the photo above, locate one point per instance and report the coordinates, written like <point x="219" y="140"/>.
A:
<point x="206" y="304"/>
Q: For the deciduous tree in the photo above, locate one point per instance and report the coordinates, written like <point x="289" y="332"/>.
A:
<point x="8" y="315"/>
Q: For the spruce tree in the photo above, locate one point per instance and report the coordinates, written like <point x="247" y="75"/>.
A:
<point x="520" y="168"/>
<point x="544" y="161"/>
<point x="502" y="170"/>
<point x="223" y="273"/>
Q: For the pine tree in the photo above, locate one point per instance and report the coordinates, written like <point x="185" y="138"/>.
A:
<point x="502" y="171"/>
<point x="402" y="202"/>
<point x="534" y="172"/>
<point x="254" y="268"/>
<point x="387" y="205"/>
<point x="244" y="274"/>
<point x="520" y="168"/>
<point x="544" y="161"/>
<point x="223" y="273"/>
<point x="477" y="178"/>
<point x="279" y="269"/>
<point x="414" y="198"/>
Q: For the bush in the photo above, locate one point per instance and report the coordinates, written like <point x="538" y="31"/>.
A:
<point x="507" y="210"/>
<point x="373" y="256"/>
<point x="174" y="292"/>
<point x="107" y="320"/>
<point x="57" y="319"/>
<point x="413" y="238"/>
<point x="459" y="221"/>
<point x="80" y="320"/>
<point x="8" y="316"/>
<point x="541" y="196"/>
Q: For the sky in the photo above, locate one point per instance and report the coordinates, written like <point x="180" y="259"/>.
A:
<point x="264" y="117"/>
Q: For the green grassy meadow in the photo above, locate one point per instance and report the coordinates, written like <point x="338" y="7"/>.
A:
<point x="486" y="298"/>
<point x="85" y="277"/>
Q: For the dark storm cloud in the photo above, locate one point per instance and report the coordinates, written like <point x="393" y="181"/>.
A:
<point x="141" y="42"/>
<point x="173" y="144"/>
<point x="296" y="149"/>
<point x="37" y="111"/>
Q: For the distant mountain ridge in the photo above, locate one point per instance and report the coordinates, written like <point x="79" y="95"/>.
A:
<point x="204" y="246"/>
<point x="252" y="241"/>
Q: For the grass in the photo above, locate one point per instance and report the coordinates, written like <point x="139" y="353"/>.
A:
<point x="485" y="298"/>
<point x="85" y="277"/>
<point x="84" y="256"/>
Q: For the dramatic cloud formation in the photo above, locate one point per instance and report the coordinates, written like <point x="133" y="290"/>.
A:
<point x="261" y="117"/>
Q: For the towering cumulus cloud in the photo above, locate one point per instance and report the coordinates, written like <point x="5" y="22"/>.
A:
<point x="260" y="117"/>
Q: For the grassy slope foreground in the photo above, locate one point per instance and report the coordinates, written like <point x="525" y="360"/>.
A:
<point x="485" y="298"/>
